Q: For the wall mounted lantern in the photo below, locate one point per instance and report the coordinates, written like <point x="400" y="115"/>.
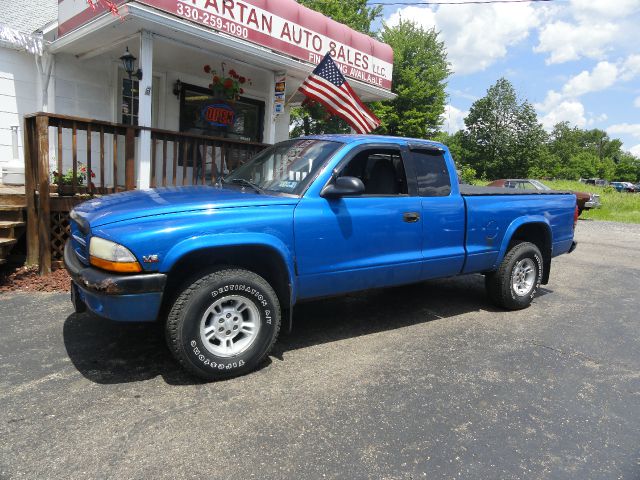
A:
<point x="177" y="88"/>
<point x="128" y="62"/>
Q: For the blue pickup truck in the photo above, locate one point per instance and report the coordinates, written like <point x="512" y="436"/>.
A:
<point x="224" y="265"/>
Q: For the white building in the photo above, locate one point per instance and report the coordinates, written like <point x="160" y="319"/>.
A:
<point x="64" y="57"/>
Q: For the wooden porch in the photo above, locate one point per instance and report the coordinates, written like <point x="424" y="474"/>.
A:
<point x="70" y="159"/>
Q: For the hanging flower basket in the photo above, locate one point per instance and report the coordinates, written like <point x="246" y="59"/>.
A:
<point x="227" y="87"/>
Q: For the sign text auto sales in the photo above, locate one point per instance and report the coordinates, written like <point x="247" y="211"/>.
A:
<point x="257" y="25"/>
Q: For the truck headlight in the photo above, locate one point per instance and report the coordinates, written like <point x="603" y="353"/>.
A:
<point x="112" y="256"/>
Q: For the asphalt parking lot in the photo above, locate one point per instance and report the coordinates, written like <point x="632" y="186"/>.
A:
<point x="426" y="381"/>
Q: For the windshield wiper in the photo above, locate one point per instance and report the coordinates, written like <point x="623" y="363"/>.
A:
<point x="246" y="183"/>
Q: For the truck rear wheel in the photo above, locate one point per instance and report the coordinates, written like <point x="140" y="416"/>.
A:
<point x="518" y="278"/>
<point x="224" y="324"/>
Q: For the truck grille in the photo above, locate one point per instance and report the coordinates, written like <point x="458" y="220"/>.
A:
<point x="79" y="242"/>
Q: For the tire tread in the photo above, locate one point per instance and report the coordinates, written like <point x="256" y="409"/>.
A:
<point x="173" y="321"/>
<point x="498" y="283"/>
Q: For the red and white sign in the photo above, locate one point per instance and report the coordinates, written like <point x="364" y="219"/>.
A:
<point x="283" y="26"/>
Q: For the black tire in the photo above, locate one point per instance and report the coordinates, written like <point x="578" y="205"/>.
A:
<point x="500" y="284"/>
<point x="185" y="323"/>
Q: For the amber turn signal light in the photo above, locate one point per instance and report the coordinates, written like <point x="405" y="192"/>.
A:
<point x="121" y="267"/>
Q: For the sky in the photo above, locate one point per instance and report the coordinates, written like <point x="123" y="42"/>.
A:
<point x="574" y="60"/>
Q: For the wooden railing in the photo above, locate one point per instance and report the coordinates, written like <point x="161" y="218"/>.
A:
<point x="100" y="157"/>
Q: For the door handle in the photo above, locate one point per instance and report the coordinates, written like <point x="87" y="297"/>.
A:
<point x="411" y="217"/>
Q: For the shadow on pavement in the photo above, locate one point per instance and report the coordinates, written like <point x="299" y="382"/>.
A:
<point x="108" y="352"/>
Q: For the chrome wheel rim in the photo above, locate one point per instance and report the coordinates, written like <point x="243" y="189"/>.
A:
<point x="523" y="277"/>
<point x="230" y="326"/>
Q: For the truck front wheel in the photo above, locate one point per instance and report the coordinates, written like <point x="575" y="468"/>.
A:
<point x="518" y="278"/>
<point x="224" y="324"/>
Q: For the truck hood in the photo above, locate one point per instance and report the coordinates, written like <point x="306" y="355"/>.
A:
<point x="162" y="201"/>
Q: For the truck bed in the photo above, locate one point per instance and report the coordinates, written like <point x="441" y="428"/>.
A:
<point x="474" y="191"/>
<point x="492" y="211"/>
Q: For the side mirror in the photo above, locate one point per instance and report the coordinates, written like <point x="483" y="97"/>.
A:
<point x="343" y="186"/>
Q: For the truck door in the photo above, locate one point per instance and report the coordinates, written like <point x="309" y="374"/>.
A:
<point x="365" y="241"/>
<point x="442" y="211"/>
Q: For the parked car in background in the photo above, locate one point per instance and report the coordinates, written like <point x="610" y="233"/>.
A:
<point x="585" y="201"/>
<point x="623" y="186"/>
<point x="600" y="182"/>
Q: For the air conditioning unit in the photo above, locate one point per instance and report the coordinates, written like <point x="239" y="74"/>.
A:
<point x="12" y="175"/>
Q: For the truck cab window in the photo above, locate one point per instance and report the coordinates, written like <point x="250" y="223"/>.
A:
<point x="381" y="171"/>
<point x="432" y="173"/>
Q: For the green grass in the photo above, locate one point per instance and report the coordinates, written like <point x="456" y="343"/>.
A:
<point x="616" y="206"/>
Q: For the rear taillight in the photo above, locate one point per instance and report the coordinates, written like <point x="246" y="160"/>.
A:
<point x="576" y="213"/>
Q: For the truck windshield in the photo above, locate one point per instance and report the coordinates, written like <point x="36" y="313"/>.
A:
<point x="286" y="167"/>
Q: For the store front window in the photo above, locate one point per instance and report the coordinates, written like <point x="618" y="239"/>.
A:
<point x="203" y="114"/>
<point x="130" y="97"/>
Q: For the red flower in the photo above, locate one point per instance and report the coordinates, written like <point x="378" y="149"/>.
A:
<point x="241" y="90"/>
<point x="83" y="169"/>
<point x="216" y="79"/>
<point x="242" y="79"/>
<point x="233" y="73"/>
<point x="207" y="69"/>
<point x="228" y="83"/>
<point x="93" y="175"/>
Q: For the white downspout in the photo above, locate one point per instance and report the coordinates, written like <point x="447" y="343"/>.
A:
<point x="44" y="64"/>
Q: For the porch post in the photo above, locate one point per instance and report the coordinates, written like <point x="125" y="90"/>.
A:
<point x="143" y="154"/>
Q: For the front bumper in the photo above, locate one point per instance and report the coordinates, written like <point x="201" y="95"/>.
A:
<point x="592" y="204"/>
<point x="124" y="298"/>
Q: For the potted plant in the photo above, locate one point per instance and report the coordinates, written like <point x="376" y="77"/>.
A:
<point x="63" y="182"/>
<point x="226" y="87"/>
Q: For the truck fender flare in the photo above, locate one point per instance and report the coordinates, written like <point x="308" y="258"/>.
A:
<point x="209" y="241"/>
<point x="513" y="227"/>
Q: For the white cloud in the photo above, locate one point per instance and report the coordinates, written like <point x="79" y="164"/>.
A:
<point x="462" y="94"/>
<point x="589" y="10"/>
<point x="571" y="111"/>
<point x="636" y="102"/>
<point x="598" y="118"/>
<point x="566" y="41"/>
<point x="601" y="77"/>
<point x="475" y="36"/>
<point x="632" y="129"/>
<point x="635" y="150"/>
<point x="453" y="119"/>
<point x="564" y="105"/>
<point x="631" y="67"/>
<point x="589" y="29"/>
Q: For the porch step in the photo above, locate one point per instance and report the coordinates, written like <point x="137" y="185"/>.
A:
<point x="5" y="242"/>
<point x="12" y="226"/>
<point x="11" y="213"/>
<point x="10" y="200"/>
<point x="11" y="208"/>
<point x="5" y="224"/>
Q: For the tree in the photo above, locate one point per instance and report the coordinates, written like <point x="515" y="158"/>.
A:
<point x="311" y="117"/>
<point x="454" y="143"/>
<point x="354" y="13"/>
<point x="503" y="136"/>
<point x="420" y="72"/>
<point x="576" y="153"/>
<point x="628" y="168"/>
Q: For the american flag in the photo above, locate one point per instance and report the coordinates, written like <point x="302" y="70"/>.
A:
<point x="327" y="85"/>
